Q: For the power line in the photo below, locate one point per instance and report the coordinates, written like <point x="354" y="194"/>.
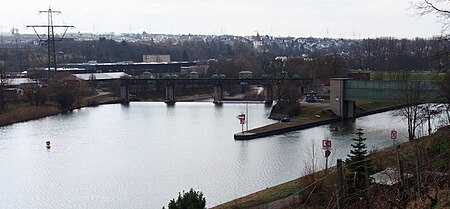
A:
<point x="50" y="40"/>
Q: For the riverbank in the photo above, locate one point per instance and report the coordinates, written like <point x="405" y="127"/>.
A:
<point x="319" y="189"/>
<point x="22" y="112"/>
<point x="27" y="113"/>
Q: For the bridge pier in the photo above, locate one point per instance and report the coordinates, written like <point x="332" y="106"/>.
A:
<point x="125" y="94"/>
<point x="268" y="94"/>
<point x="218" y="94"/>
<point x="170" y="94"/>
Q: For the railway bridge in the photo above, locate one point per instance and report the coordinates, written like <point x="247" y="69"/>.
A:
<point x="216" y="83"/>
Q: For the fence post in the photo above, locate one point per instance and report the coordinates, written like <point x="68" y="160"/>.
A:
<point x="340" y="180"/>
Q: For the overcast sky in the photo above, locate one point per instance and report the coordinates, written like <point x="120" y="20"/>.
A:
<point x="298" y="18"/>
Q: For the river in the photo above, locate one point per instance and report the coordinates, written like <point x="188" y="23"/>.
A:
<point x="142" y="154"/>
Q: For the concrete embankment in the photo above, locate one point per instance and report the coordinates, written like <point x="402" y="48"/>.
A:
<point x="282" y="127"/>
<point x="300" y="124"/>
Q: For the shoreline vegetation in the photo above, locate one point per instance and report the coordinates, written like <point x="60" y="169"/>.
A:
<point x="317" y="189"/>
<point x="23" y="112"/>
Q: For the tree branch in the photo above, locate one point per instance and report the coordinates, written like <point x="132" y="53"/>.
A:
<point x="432" y="6"/>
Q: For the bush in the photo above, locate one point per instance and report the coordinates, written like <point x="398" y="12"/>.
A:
<point x="66" y="90"/>
<point x="65" y="98"/>
<point x="189" y="200"/>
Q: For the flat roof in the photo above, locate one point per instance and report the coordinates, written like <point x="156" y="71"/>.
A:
<point x="101" y="76"/>
<point x="19" y="81"/>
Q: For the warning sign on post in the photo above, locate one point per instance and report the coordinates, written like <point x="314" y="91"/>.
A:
<point x="393" y="134"/>
<point x="326" y="144"/>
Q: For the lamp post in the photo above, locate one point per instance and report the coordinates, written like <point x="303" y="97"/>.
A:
<point x="246" y="113"/>
<point x="246" y="106"/>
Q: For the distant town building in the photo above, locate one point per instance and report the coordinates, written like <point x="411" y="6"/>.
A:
<point x="15" y="87"/>
<point x="258" y="43"/>
<point x="156" y="58"/>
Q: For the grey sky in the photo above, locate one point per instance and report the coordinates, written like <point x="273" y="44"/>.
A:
<point x="298" y="18"/>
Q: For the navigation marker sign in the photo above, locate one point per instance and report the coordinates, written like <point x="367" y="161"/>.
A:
<point x="393" y="134"/>
<point x="241" y="118"/>
<point x="326" y="144"/>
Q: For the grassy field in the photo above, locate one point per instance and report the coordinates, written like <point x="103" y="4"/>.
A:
<point x="363" y="106"/>
<point x="307" y="115"/>
<point x="419" y="76"/>
<point x="301" y="186"/>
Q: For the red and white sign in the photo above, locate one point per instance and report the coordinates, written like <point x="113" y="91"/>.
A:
<point x="326" y="144"/>
<point x="337" y="98"/>
<point x="393" y="134"/>
<point x="241" y="118"/>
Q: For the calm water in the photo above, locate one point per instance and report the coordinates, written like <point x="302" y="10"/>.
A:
<point x="142" y="155"/>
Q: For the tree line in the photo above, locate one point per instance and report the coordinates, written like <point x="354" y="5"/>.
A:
<point x="380" y="54"/>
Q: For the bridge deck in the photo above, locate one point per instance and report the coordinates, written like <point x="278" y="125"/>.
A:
<point x="212" y="81"/>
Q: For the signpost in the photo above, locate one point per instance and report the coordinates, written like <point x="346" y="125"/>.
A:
<point x="326" y="145"/>
<point x="241" y="118"/>
<point x="393" y="136"/>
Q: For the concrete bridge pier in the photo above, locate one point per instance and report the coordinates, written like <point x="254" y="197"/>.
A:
<point x="125" y="94"/>
<point x="218" y="94"/>
<point x="268" y="94"/>
<point x="170" y="94"/>
<point x="344" y="109"/>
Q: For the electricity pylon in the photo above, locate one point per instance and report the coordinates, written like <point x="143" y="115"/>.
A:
<point x="50" y="40"/>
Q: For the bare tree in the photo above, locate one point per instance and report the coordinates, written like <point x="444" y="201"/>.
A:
<point x="439" y="8"/>
<point x="3" y="84"/>
<point x="444" y="93"/>
<point x="311" y="163"/>
<point x="412" y="95"/>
